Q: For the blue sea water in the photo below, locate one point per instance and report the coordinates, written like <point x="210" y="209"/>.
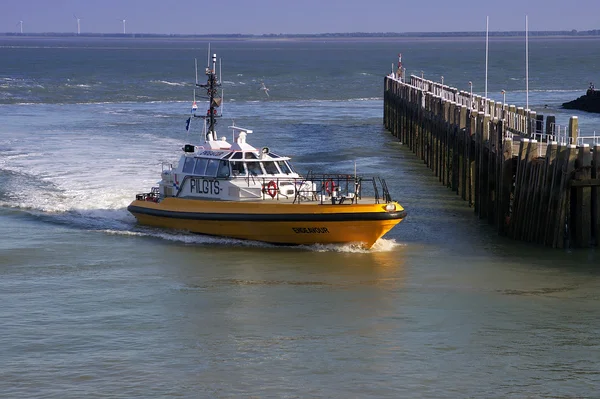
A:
<point x="94" y="305"/>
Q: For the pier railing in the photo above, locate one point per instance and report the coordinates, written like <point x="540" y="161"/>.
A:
<point x="534" y="180"/>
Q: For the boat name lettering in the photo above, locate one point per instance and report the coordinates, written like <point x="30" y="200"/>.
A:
<point x="310" y="230"/>
<point x="212" y="153"/>
<point x="203" y="186"/>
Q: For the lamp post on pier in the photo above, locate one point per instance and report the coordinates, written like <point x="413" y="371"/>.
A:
<point x="503" y="97"/>
<point x="421" y="74"/>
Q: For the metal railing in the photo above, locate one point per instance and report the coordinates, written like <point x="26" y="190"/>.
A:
<point x="321" y="188"/>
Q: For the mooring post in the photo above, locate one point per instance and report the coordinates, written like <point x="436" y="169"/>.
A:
<point x="491" y="108"/>
<point x="596" y="195"/>
<point x="539" y="127"/>
<point x="472" y="150"/>
<point x="451" y="151"/>
<point x="551" y="127"/>
<point x="531" y="186"/>
<point x="543" y="203"/>
<point x="519" y="176"/>
<point x="464" y="164"/>
<point x="484" y="171"/>
<point x="573" y="129"/>
<point x="512" y="117"/>
<point x="581" y="209"/>
<point x="444" y="142"/>
<point x="507" y="186"/>
<point x="565" y="197"/>
<point x="520" y="121"/>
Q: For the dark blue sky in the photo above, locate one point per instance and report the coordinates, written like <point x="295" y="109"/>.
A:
<point x="295" y="16"/>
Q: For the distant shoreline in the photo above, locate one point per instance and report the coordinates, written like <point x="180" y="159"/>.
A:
<point x="324" y="36"/>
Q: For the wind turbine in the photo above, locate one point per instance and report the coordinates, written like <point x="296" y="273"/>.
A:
<point x="21" y="24"/>
<point x="122" y="20"/>
<point x="78" y="26"/>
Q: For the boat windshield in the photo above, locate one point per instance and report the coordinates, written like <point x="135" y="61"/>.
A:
<point x="285" y="169"/>
<point x="270" y="168"/>
<point x="237" y="168"/>
<point x="188" y="166"/>
<point x="223" y="169"/>
<point x="200" y="166"/>
<point x="254" y="168"/>
<point x="211" y="168"/>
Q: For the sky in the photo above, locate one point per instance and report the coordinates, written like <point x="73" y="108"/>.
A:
<point x="295" y="16"/>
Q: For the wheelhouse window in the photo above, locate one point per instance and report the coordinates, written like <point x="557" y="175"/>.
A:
<point x="237" y="155"/>
<point x="188" y="166"/>
<point x="223" y="169"/>
<point x="270" y="168"/>
<point x="211" y="168"/>
<point x="238" y="169"/>
<point x="289" y="165"/>
<point x="200" y="166"/>
<point x="284" y="167"/>
<point x="250" y="155"/>
<point x="253" y="168"/>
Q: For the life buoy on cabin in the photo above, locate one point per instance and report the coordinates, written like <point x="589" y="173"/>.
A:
<point x="272" y="189"/>
<point x="329" y="186"/>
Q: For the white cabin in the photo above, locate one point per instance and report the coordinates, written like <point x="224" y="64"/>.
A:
<point x="222" y="171"/>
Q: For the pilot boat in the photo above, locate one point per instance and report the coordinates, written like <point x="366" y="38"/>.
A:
<point x="233" y="189"/>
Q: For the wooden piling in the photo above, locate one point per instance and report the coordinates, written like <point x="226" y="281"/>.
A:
<point x="501" y="160"/>
<point x="581" y="209"/>
<point x="595" y="195"/>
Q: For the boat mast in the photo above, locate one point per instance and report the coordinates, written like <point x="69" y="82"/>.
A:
<point x="214" y="101"/>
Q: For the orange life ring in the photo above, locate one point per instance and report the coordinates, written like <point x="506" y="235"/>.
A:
<point x="272" y="189"/>
<point x="329" y="186"/>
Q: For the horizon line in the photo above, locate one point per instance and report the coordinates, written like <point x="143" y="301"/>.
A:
<point x="573" y="32"/>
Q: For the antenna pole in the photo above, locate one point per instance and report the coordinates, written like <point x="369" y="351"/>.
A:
<point x="214" y="100"/>
<point x="526" y="63"/>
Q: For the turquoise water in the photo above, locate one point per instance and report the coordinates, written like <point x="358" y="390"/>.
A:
<point x="95" y="306"/>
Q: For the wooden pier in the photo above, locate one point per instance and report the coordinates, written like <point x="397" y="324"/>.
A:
<point x="533" y="180"/>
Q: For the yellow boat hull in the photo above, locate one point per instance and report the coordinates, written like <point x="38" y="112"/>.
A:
<point x="277" y="223"/>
